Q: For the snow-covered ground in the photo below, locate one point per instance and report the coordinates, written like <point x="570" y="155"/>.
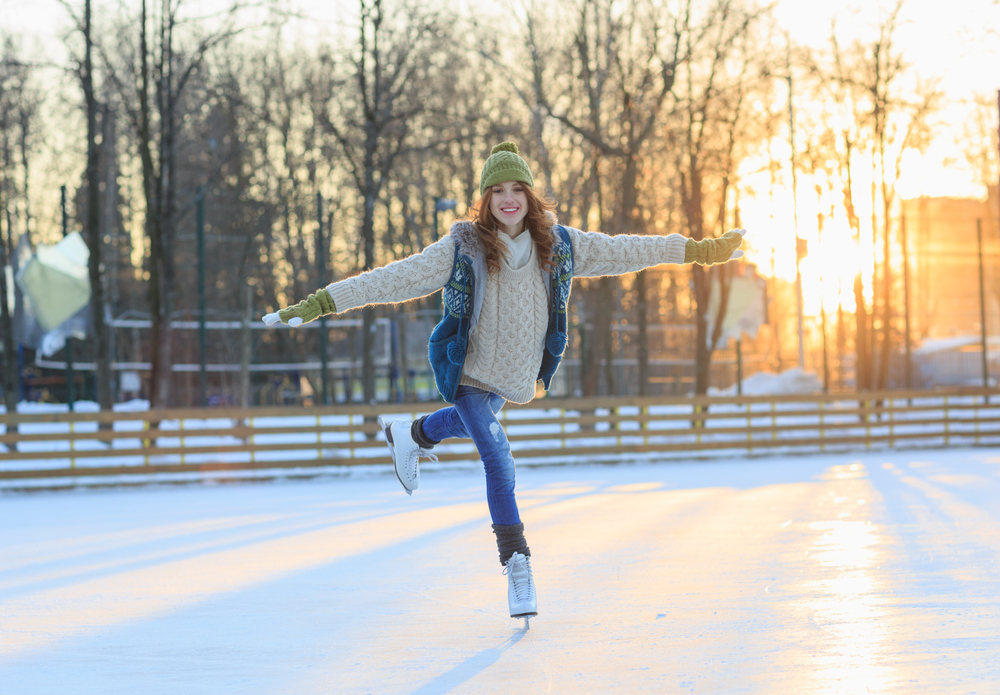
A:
<point x="853" y="573"/>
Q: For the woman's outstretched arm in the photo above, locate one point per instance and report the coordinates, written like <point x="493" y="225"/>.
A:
<point x="412" y="277"/>
<point x="596" y="254"/>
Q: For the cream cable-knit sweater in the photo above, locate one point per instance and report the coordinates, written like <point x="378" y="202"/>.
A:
<point x="505" y="346"/>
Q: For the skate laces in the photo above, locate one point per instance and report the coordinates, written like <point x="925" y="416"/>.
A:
<point x="413" y="460"/>
<point x="519" y="573"/>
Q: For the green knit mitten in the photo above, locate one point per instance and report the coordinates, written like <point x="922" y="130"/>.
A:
<point x="309" y="309"/>
<point x="712" y="251"/>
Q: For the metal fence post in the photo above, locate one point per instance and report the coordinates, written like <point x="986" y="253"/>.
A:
<point x="202" y="337"/>
<point x="323" y="332"/>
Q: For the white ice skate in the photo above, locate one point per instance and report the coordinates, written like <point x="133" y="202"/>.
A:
<point x="520" y="588"/>
<point x="405" y="452"/>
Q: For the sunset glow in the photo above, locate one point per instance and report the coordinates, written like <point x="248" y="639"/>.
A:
<point x="422" y="346"/>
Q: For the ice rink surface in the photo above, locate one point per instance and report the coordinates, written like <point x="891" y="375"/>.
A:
<point x="854" y="573"/>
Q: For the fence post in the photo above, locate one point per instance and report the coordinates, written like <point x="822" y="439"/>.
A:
<point x="562" y="427"/>
<point x="353" y="432"/>
<point x="749" y="429"/>
<point x="946" y="428"/>
<point x="319" y="435"/>
<point x="72" y="441"/>
<point x="975" y="417"/>
<point x="146" y="443"/>
<point x="892" y="413"/>
<point x="867" y="404"/>
<point x="822" y="427"/>
<point x="774" y="420"/>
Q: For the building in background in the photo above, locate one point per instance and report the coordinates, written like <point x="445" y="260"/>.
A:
<point x="944" y="265"/>
<point x="944" y="291"/>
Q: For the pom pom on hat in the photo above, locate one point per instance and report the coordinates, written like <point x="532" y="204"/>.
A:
<point x="504" y="164"/>
<point x="505" y="147"/>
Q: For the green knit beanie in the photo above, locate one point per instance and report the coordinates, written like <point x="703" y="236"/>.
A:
<point x="504" y="164"/>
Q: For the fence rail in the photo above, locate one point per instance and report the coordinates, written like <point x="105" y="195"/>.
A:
<point x="47" y="445"/>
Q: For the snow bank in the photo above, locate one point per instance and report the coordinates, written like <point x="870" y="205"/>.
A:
<point x="793" y="380"/>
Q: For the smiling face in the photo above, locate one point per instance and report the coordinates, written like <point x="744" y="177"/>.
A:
<point x="509" y="205"/>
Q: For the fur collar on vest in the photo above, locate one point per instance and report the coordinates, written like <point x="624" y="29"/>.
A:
<point x="464" y="233"/>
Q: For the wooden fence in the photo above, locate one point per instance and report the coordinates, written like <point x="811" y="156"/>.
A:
<point x="48" y="445"/>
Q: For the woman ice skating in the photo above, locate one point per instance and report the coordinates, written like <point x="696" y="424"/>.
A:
<point x="506" y="273"/>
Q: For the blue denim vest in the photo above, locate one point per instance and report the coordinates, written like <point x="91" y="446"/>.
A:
<point x="463" y="299"/>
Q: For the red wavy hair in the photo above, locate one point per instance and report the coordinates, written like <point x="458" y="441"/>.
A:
<point x="538" y="221"/>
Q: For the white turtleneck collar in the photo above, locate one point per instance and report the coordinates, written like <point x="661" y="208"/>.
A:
<point x="518" y="249"/>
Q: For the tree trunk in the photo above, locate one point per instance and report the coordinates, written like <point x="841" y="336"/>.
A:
<point x="841" y="345"/>
<point x="702" y="355"/>
<point x="606" y="311"/>
<point x="886" y="340"/>
<point x="155" y="307"/>
<point x="588" y="354"/>
<point x="150" y="189"/>
<point x="94" y="237"/>
<point x="8" y="363"/>
<point x="632" y="224"/>
<point x="598" y="338"/>
<point x="165" y="345"/>
<point x="246" y="347"/>
<point x="693" y="211"/>
<point x="643" y="347"/>
<point x="861" y="369"/>
<point x="167" y="192"/>
<point x="597" y="318"/>
<point x="368" y="313"/>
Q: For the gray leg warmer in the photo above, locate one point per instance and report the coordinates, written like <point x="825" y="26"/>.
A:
<point x="417" y="432"/>
<point x="510" y="540"/>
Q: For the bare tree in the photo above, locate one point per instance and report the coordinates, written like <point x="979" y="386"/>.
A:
<point x="913" y="120"/>
<point x="157" y="56"/>
<point x="865" y="80"/>
<point x="286" y="165"/>
<point x="84" y="72"/>
<point x="617" y="70"/>
<point x="843" y="95"/>
<point x="713" y="102"/>
<point x="19" y="104"/>
<point x="373" y="110"/>
<point x="890" y="115"/>
<point x="979" y="141"/>
<point x="980" y="144"/>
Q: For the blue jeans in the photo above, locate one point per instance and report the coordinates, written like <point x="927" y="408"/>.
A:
<point x="474" y="415"/>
